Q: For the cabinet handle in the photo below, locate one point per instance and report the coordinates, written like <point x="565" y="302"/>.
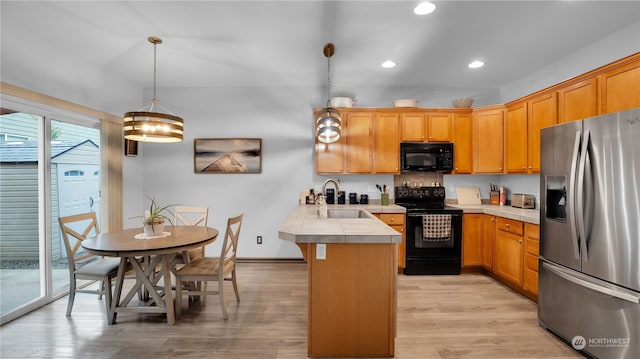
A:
<point x="525" y="167"/>
<point x="500" y="169"/>
<point x="493" y="219"/>
<point x="520" y="241"/>
<point x="508" y="225"/>
<point x="530" y="167"/>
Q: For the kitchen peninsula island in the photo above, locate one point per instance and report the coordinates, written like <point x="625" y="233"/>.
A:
<point x="352" y="269"/>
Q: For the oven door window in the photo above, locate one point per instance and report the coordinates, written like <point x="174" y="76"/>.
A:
<point x="420" y="241"/>
<point x="420" y="159"/>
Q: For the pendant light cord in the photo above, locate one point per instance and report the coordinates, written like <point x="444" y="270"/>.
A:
<point x="328" y="81"/>
<point x="154" y="100"/>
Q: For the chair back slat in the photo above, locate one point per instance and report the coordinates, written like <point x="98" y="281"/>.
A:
<point x="191" y="216"/>
<point x="230" y="245"/>
<point x="90" y="222"/>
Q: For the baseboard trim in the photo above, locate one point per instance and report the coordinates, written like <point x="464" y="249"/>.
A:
<point x="269" y="260"/>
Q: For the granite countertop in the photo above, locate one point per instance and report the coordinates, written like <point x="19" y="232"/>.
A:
<point x="518" y="214"/>
<point x="304" y="226"/>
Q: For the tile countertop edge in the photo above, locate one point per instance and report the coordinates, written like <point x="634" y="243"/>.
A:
<point x="303" y="226"/>
<point x="525" y="215"/>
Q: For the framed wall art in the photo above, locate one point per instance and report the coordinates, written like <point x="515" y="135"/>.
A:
<point x="227" y="155"/>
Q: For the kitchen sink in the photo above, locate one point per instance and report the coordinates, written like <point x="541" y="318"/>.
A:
<point x="348" y="213"/>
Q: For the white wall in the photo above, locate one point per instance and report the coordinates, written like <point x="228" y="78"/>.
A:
<point x="615" y="46"/>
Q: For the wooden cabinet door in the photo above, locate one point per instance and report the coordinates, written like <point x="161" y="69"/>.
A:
<point x="412" y="127"/>
<point x="620" y="88"/>
<point x="509" y="257"/>
<point x="397" y="222"/>
<point x="387" y="143"/>
<point x="439" y="127"/>
<point x="532" y="249"/>
<point x="359" y="141"/>
<point x="462" y="140"/>
<point x="488" y="126"/>
<point x="471" y="239"/>
<point x="488" y="241"/>
<point x="515" y="154"/>
<point x="543" y="112"/>
<point x="578" y="100"/>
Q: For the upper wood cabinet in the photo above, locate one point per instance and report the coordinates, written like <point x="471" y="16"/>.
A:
<point x="439" y="127"/>
<point x="620" y="88"/>
<point x="488" y="127"/>
<point x="462" y="143"/>
<point x="358" y="141"/>
<point x="516" y="137"/>
<point x="426" y="125"/>
<point x="386" y="151"/>
<point x="543" y="112"/>
<point x="523" y="121"/>
<point x="412" y="127"/>
<point x="578" y="100"/>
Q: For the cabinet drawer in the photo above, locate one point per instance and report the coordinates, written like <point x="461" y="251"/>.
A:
<point x="531" y="262"/>
<point x="397" y="228"/>
<point x="532" y="246"/>
<point x="510" y="225"/>
<point x="392" y="218"/>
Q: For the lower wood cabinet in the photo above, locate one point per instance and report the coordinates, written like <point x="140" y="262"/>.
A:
<point x="509" y="250"/>
<point x="397" y="222"/>
<point x="531" y="251"/>
<point x="472" y="240"/>
<point x="488" y="241"/>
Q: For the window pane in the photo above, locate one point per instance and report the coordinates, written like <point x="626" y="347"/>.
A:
<point x="20" y="277"/>
<point x="75" y="185"/>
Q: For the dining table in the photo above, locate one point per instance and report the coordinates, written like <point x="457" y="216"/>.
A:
<point x="151" y="259"/>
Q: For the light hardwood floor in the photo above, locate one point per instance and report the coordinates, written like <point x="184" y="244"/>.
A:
<point x="466" y="316"/>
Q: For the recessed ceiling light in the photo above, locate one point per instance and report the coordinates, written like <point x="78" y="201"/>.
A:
<point x="388" y="64"/>
<point x="424" y="8"/>
<point x="476" y="64"/>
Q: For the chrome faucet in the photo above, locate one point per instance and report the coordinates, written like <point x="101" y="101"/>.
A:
<point x="324" y="187"/>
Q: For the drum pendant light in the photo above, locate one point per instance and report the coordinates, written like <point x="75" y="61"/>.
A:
<point x="148" y="124"/>
<point x="329" y="121"/>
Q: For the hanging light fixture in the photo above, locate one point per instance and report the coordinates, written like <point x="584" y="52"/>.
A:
<point x="329" y="121"/>
<point x="149" y="125"/>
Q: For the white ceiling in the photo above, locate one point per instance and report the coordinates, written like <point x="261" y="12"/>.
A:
<point x="279" y="43"/>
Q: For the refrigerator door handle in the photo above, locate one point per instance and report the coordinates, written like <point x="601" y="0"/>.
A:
<point x="571" y="196"/>
<point x="629" y="297"/>
<point x="583" y="181"/>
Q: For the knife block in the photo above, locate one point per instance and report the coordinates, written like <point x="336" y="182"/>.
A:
<point x="494" y="197"/>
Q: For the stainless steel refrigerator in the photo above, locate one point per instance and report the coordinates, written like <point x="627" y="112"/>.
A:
<point x="589" y="273"/>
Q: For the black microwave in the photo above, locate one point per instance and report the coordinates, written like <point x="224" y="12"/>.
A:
<point x="428" y="157"/>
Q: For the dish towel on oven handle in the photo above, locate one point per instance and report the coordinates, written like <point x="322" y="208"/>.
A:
<point x="436" y="227"/>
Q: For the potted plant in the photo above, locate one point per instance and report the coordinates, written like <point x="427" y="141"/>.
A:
<point x="153" y="219"/>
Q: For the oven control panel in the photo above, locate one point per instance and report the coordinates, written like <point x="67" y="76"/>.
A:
<point x="420" y="193"/>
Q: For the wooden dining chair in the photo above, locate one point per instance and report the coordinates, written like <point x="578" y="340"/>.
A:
<point x="191" y="216"/>
<point x="83" y="265"/>
<point x="206" y="269"/>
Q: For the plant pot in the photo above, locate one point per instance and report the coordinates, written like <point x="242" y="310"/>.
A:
<point x="154" y="228"/>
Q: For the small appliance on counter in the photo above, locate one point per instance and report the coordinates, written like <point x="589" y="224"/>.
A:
<point x="353" y="198"/>
<point x="364" y="199"/>
<point x="520" y="200"/>
<point x="331" y="193"/>
<point x="340" y="197"/>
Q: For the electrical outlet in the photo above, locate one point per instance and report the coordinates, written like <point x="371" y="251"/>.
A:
<point x="259" y="239"/>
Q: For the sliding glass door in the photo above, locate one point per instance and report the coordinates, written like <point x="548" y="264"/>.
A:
<point x="49" y="167"/>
